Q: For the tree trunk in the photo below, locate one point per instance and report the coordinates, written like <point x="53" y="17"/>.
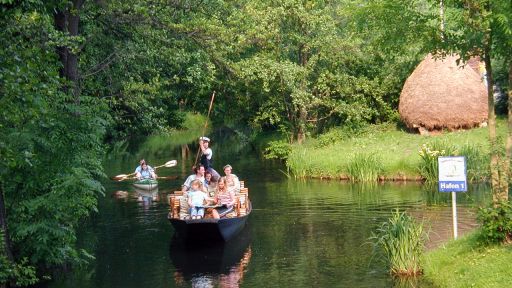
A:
<point x="301" y="129"/>
<point x="6" y="245"/>
<point x="441" y="15"/>
<point x="68" y="22"/>
<point x="59" y="17"/>
<point x="496" y="165"/>
<point x="302" y="110"/>
<point x="508" y="147"/>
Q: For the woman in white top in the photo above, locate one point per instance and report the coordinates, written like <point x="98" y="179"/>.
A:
<point x="232" y="180"/>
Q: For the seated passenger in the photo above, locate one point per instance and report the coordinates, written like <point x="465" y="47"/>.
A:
<point x="198" y="175"/>
<point x="225" y="198"/>
<point x="212" y="184"/>
<point x="232" y="180"/>
<point x="197" y="199"/>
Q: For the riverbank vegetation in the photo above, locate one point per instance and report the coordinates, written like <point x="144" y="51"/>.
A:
<point x="388" y="152"/>
<point x="465" y="262"/>
<point x="78" y="75"/>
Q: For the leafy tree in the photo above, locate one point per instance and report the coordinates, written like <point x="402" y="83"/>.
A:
<point x="147" y="61"/>
<point x="301" y="66"/>
<point x="482" y="28"/>
<point x="51" y="146"/>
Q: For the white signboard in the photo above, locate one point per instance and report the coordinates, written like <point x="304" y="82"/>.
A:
<point x="452" y="174"/>
<point x="452" y="178"/>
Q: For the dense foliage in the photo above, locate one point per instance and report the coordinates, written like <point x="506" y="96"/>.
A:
<point x="78" y="73"/>
<point x="51" y="143"/>
<point x="298" y="67"/>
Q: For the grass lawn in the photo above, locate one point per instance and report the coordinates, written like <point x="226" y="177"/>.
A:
<point x="466" y="263"/>
<point x="331" y="154"/>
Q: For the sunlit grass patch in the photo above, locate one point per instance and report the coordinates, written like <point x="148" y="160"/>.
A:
<point x="466" y="263"/>
<point x="398" y="151"/>
<point x="309" y="162"/>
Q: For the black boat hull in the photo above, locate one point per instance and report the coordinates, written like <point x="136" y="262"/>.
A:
<point x="212" y="229"/>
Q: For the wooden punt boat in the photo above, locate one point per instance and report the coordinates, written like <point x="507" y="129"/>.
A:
<point x="146" y="184"/>
<point x="209" y="228"/>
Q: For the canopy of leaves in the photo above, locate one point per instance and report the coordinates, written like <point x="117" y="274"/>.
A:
<point x="51" y="146"/>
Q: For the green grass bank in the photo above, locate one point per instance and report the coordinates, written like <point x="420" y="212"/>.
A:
<point x="466" y="263"/>
<point x="384" y="149"/>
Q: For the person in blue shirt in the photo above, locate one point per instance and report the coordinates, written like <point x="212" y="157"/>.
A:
<point x="144" y="171"/>
<point x="197" y="198"/>
<point x="142" y="161"/>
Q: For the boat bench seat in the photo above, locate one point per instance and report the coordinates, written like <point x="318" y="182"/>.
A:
<point x="179" y="208"/>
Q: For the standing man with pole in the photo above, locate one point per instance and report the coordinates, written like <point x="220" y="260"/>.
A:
<point x="206" y="157"/>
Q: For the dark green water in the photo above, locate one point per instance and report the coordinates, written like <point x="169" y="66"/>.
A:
<point x="300" y="233"/>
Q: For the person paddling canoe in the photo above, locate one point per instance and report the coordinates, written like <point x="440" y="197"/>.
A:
<point x="144" y="171"/>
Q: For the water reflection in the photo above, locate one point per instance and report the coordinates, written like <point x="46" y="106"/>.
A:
<point x="211" y="264"/>
<point x="144" y="196"/>
<point x="147" y="196"/>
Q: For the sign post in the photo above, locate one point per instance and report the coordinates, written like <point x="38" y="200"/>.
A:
<point x="452" y="178"/>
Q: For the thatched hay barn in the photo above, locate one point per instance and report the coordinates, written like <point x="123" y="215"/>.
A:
<point x="441" y="95"/>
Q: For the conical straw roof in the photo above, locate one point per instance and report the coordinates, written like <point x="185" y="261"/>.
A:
<point x="440" y="94"/>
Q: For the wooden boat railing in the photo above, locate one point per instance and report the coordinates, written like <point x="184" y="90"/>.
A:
<point x="241" y="203"/>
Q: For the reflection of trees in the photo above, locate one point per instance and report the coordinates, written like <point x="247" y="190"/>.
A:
<point x="185" y="152"/>
<point x="236" y="273"/>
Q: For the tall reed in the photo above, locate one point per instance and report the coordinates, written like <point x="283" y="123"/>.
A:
<point x="429" y="166"/>
<point x="297" y="163"/>
<point x="477" y="162"/>
<point x="364" y="167"/>
<point x="402" y="241"/>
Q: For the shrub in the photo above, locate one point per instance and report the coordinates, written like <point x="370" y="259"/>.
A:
<point x="496" y="222"/>
<point x="278" y="150"/>
<point x="332" y="136"/>
<point x="22" y="274"/>
<point x="341" y="133"/>
<point x="402" y="241"/>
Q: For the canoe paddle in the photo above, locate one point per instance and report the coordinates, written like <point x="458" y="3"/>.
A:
<point x="171" y="177"/>
<point x="122" y="177"/>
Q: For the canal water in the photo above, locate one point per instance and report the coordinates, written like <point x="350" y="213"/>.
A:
<point x="309" y="233"/>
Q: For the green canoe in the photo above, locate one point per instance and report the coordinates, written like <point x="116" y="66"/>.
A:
<point x="146" y="184"/>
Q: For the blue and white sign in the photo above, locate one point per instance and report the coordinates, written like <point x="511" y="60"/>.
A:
<point x="452" y="174"/>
